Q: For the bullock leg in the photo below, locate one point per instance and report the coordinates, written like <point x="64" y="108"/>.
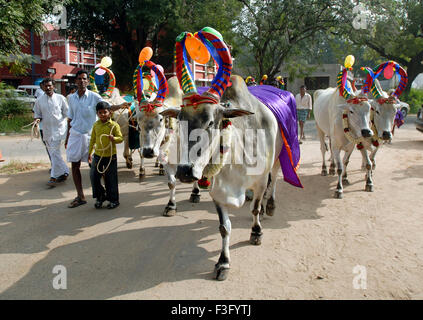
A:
<point x="372" y="157"/>
<point x="142" y="169"/>
<point x="346" y="161"/>
<point x="332" y="161"/>
<point x="270" y="193"/>
<point x="161" y="170"/>
<point x="256" y="208"/>
<point x="170" y="209"/>
<point x="369" y="174"/>
<point x="156" y="165"/>
<point x="339" y="188"/>
<point x="323" y="149"/>
<point x="127" y="153"/>
<point x="221" y="268"/>
<point x="195" y="193"/>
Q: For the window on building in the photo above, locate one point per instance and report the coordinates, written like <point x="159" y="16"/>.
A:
<point x="315" y="83"/>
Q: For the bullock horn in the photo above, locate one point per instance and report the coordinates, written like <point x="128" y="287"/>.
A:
<point x="221" y="54"/>
<point x="183" y="70"/>
<point x="344" y="89"/>
<point x="162" y="91"/>
<point x="376" y="72"/>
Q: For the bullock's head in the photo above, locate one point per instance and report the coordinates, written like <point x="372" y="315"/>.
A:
<point x="357" y="108"/>
<point x="384" y="105"/>
<point x="201" y="116"/>
<point x="150" y="121"/>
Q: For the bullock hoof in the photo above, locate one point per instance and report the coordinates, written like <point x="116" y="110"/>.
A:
<point x="220" y="273"/>
<point x="161" y="172"/>
<point x="156" y="165"/>
<point x="169" y="212"/>
<point x="338" y="195"/>
<point x="255" y="238"/>
<point x="129" y="165"/>
<point x="332" y="172"/>
<point x="324" y="173"/>
<point x="345" y="182"/>
<point x="195" y="198"/>
<point x="369" y="188"/>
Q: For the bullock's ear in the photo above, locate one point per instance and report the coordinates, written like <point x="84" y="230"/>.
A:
<point x="233" y="113"/>
<point x="173" y="113"/>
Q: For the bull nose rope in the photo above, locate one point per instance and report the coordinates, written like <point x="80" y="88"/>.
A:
<point x="358" y="141"/>
<point x="35" y="129"/>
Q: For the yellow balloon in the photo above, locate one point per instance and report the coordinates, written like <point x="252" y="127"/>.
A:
<point x="349" y="61"/>
<point x="106" y="62"/>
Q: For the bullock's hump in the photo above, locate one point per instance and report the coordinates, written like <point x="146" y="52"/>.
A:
<point x="237" y="90"/>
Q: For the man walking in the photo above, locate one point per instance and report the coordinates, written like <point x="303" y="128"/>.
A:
<point x="81" y="117"/>
<point x="52" y="109"/>
<point x="304" y="107"/>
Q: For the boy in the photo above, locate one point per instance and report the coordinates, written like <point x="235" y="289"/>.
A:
<point x="105" y="134"/>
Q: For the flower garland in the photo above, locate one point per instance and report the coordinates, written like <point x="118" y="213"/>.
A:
<point x="213" y="169"/>
<point x="359" y="140"/>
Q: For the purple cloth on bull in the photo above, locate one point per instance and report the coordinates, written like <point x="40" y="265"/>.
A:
<point x="282" y="104"/>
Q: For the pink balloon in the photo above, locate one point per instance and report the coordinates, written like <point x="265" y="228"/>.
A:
<point x="99" y="71"/>
<point x="388" y="72"/>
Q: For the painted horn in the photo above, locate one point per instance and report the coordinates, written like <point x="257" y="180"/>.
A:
<point x="183" y="70"/>
<point x="344" y="89"/>
<point x="221" y="54"/>
<point x="376" y="72"/>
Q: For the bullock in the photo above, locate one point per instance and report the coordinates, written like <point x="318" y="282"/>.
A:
<point x="158" y="135"/>
<point x="219" y="113"/>
<point x="345" y="118"/>
<point x="383" y="107"/>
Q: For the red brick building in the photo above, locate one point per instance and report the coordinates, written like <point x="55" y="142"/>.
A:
<point x="56" y="57"/>
<point x="59" y="58"/>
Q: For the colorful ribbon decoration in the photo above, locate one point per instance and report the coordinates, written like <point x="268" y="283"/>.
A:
<point x="221" y="55"/>
<point x="112" y="81"/>
<point x="372" y="75"/>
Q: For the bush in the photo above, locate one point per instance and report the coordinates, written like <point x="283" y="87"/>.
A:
<point x="11" y="107"/>
<point x="414" y="99"/>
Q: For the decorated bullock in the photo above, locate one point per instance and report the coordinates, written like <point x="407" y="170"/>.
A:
<point x="159" y="134"/>
<point x="344" y="117"/>
<point x="384" y="107"/>
<point x="263" y="121"/>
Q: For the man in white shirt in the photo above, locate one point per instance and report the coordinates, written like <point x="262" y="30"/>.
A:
<point x="81" y="117"/>
<point x="304" y="107"/>
<point x="52" y="109"/>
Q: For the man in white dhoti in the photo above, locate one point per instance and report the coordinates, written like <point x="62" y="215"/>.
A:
<point x="81" y="117"/>
<point x="52" y="109"/>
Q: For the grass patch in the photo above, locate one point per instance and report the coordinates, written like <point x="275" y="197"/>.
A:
<point x="16" y="166"/>
<point x="15" y="123"/>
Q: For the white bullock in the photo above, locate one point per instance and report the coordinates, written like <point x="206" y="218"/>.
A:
<point x="346" y="123"/>
<point x="159" y="136"/>
<point x="204" y="118"/>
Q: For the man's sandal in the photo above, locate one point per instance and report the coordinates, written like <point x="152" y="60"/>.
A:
<point x="76" y="202"/>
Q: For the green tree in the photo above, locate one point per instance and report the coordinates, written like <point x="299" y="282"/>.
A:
<point x="16" y="17"/>
<point x="272" y="32"/>
<point x="392" y="29"/>
<point x="124" y="27"/>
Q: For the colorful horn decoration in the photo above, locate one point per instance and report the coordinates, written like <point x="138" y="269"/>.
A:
<point x="221" y="55"/>
<point x="372" y="75"/>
